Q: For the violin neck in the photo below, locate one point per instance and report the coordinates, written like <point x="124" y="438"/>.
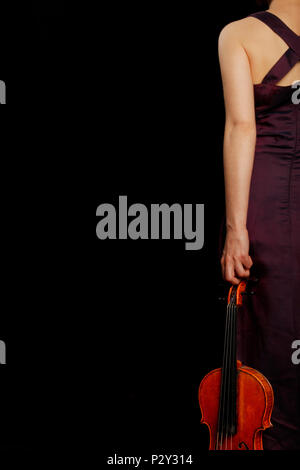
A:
<point x="227" y="424"/>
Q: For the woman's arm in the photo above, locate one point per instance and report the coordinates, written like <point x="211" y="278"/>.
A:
<point x="238" y="151"/>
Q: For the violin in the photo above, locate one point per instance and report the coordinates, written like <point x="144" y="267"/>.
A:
<point x="236" y="401"/>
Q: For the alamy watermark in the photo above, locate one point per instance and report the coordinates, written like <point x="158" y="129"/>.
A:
<point x="296" y="93"/>
<point x="2" y="352"/>
<point x="161" y="221"/>
<point x="296" y="353"/>
<point x="2" y="92"/>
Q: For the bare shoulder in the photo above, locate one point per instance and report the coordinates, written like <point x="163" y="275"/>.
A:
<point x="238" y="31"/>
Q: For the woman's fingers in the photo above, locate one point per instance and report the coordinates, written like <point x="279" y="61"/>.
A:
<point x="236" y="261"/>
<point x="230" y="272"/>
<point x="235" y="270"/>
<point x="247" y="261"/>
<point x="240" y="270"/>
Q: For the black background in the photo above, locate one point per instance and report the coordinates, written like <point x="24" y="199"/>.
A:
<point x="34" y="57"/>
<point x="34" y="399"/>
<point x="146" y="92"/>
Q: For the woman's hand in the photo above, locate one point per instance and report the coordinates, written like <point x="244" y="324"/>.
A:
<point x="235" y="261"/>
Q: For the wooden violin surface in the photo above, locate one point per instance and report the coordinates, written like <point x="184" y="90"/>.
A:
<point x="236" y="401"/>
<point x="254" y="407"/>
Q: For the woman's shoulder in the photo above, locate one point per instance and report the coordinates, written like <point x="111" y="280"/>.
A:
<point x="239" y="30"/>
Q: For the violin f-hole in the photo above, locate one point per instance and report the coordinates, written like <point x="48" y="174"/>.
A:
<point x="220" y="401"/>
<point x="242" y="444"/>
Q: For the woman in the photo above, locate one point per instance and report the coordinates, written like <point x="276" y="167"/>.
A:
<point x="259" y="59"/>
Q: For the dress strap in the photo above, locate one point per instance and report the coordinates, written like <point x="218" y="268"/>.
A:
<point x="287" y="61"/>
<point x="280" y="28"/>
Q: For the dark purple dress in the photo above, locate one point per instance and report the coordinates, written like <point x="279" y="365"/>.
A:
<point x="270" y="320"/>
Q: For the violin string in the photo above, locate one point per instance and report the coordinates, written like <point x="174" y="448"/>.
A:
<point x="234" y="373"/>
<point x="223" y="383"/>
<point x="229" y="373"/>
<point x="234" y="363"/>
<point x="233" y="415"/>
<point x="232" y="404"/>
<point x="227" y="419"/>
<point x="230" y="376"/>
<point x="226" y="378"/>
<point x="220" y="418"/>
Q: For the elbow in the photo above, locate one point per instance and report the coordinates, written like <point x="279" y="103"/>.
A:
<point x="243" y="127"/>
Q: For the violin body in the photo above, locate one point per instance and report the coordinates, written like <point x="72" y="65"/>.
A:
<point x="236" y="401"/>
<point x="254" y="407"/>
